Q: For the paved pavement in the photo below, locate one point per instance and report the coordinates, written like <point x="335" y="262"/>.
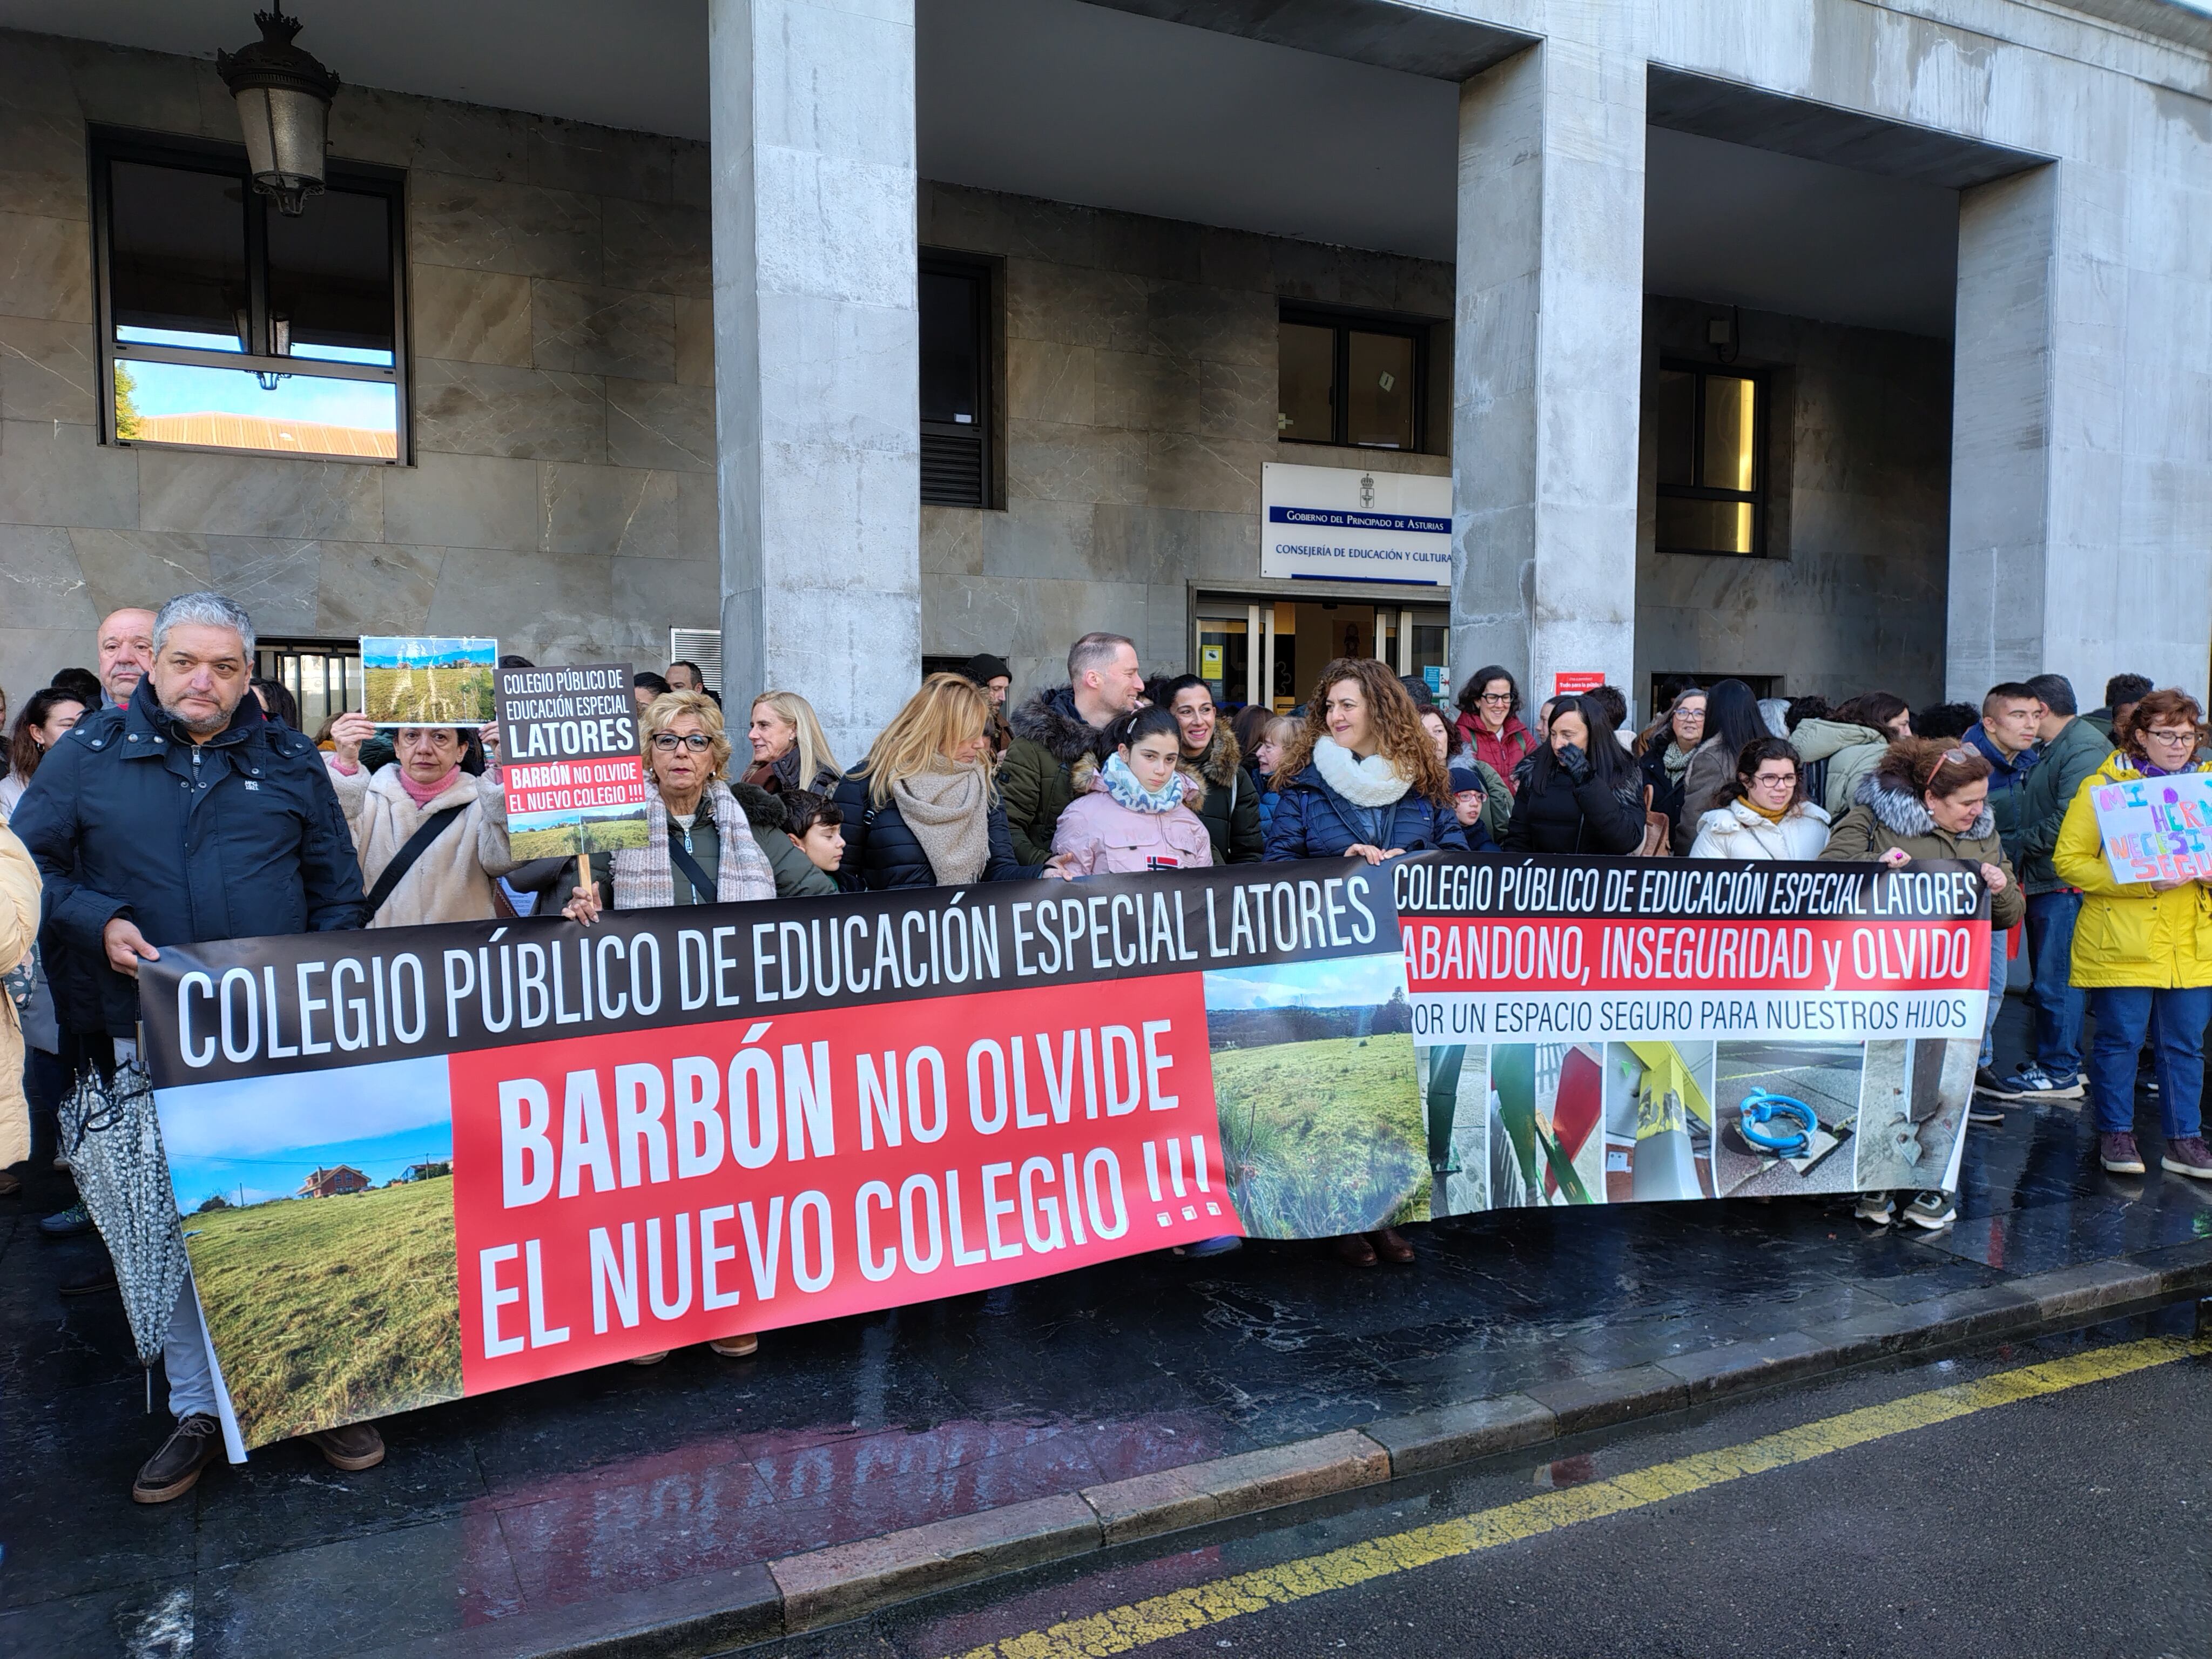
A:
<point x="2069" y="1522"/>
<point x="575" y="1504"/>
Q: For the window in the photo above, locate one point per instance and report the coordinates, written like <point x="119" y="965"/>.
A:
<point x="225" y="325"/>
<point x="1354" y="381"/>
<point x="1713" y="488"/>
<point x="323" y="676"/>
<point x="956" y="381"/>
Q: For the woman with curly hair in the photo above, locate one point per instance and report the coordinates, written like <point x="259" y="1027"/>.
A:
<point x="1361" y="779"/>
<point x="2143" y="950"/>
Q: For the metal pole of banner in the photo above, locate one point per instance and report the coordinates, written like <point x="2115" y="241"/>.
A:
<point x="1666" y="1164"/>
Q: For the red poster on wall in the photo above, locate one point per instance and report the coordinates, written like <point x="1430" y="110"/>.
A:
<point x="1574" y="683"/>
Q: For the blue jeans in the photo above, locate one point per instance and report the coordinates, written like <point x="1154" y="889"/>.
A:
<point x="1999" y="970"/>
<point x="2058" y="1006"/>
<point x="2124" y="1014"/>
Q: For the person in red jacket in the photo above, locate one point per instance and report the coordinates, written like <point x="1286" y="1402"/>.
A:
<point x="1489" y="720"/>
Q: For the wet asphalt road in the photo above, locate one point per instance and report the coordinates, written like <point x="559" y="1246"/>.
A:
<point x="2076" y="1524"/>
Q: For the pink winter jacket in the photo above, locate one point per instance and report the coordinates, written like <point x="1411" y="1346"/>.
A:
<point x="1101" y="836"/>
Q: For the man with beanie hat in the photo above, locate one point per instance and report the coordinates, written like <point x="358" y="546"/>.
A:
<point x="995" y="676"/>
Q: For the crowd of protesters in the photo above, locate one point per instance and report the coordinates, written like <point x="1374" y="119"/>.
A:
<point x="153" y="799"/>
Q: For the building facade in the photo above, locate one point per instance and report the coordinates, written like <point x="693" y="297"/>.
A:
<point x="1828" y="343"/>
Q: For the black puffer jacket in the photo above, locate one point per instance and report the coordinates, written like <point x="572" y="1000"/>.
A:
<point x="795" y="874"/>
<point x="1230" y="811"/>
<point x="881" y="852"/>
<point x="1552" y="813"/>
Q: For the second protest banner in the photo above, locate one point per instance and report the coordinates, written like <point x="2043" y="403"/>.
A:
<point x="1602" y="1030"/>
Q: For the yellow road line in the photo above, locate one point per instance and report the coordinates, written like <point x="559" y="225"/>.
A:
<point x="1122" y="1629"/>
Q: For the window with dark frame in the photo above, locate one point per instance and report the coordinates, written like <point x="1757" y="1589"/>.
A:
<point x="1350" y="380"/>
<point x="1711" y="424"/>
<point x="226" y="325"/>
<point x="955" y="297"/>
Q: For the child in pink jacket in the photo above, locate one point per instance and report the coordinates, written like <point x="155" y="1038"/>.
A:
<point x="1129" y="811"/>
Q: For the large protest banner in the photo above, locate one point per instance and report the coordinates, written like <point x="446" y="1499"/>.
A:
<point x="523" y="1149"/>
<point x="1596" y="1031"/>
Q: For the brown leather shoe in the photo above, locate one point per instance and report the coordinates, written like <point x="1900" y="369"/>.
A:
<point x="736" y="1347"/>
<point x="1353" y="1250"/>
<point x="175" y="1469"/>
<point x="647" y="1358"/>
<point x="1391" y="1245"/>
<point x="350" y="1446"/>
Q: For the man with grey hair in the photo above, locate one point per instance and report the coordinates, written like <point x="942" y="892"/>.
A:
<point x="1056" y="728"/>
<point x="185" y="815"/>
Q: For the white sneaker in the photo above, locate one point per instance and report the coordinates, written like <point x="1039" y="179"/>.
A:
<point x="1933" y="1210"/>
<point x="1875" y="1207"/>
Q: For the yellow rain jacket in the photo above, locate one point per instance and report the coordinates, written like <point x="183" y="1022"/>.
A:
<point x="2128" y="934"/>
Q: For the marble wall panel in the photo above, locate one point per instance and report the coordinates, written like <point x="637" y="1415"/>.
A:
<point x="656" y="246"/>
<point x="59" y="475"/>
<point x="463" y="501"/>
<point x="603" y="331"/>
<point x="634" y="512"/>
<point x="470" y="316"/>
<point x="526" y="414"/>
<point x="48" y="372"/>
<point x="41" y="583"/>
<point x="208" y="494"/>
<point x="666" y="426"/>
<point x="482" y="224"/>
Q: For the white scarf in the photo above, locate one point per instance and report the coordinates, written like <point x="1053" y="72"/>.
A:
<point x="1371" y="782"/>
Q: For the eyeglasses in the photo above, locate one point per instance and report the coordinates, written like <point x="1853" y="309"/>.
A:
<point x="1496" y="696"/>
<point x="669" y="742"/>
<point x="1776" y="779"/>
<point x="2188" y="736"/>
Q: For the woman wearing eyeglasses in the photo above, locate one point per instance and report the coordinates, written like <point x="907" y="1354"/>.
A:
<point x="1490" y="721"/>
<point x="1764" y="813"/>
<point x="699" y="849"/>
<point x="2143" y="950"/>
<point x="1929" y="799"/>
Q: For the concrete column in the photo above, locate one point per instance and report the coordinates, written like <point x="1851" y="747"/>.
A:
<point x="2078" y="480"/>
<point x="1549" y="332"/>
<point x="2001" y="454"/>
<point x="816" y="345"/>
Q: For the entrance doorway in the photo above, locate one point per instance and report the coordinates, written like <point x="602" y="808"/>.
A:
<point x="1266" y="649"/>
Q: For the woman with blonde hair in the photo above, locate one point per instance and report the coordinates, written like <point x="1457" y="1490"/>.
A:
<point x="790" y="749"/>
<point x="923" y="808"/>
<point x="699" y="849"/>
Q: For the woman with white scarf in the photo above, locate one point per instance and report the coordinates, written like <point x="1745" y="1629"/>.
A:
<point x="699" y="849"/>
<point x="923" y="808"/>
<point x="1362" y="780"/>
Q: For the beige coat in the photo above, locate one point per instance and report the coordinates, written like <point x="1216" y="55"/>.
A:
<point x="18" y="931"/>
<point x="452" y="880"/>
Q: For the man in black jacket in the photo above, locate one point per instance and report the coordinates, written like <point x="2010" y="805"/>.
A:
<point x="184" y="816"/>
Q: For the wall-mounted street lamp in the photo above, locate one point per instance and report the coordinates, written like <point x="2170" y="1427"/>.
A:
<point x="284" y="105"/>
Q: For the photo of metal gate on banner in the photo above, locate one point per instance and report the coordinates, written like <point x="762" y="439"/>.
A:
<point x="418" y="1163"/>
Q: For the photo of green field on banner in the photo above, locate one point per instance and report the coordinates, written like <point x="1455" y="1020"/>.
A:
<point x="573" y="834"/>
<point x="1322" y="1124"/>
<point x="430" y="681"/>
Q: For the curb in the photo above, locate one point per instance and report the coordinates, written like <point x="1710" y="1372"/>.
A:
<point x="804" y="1592"/>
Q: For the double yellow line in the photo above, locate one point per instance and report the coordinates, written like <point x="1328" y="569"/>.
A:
<point x="1139" y="1624"/>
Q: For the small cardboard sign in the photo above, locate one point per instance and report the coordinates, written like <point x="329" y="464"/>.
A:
<point x="411" y="680"/>
<point x="2156" y="828"/>
<point x="570" y="764"/>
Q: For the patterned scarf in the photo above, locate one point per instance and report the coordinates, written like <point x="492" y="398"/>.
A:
<point x="644" y="877"/>
<point x="1121" y="784"/>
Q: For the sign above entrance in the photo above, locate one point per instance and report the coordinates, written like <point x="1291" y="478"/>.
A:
<point x="1342" y="524"/>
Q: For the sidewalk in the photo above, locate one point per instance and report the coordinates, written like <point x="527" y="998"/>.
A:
<point x="551" y="1517"/>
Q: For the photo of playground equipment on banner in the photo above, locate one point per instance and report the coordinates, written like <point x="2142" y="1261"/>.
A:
<point x="573" y="778"/>
<point x="1599" y="1033"/>
<point x="427" y="681"/>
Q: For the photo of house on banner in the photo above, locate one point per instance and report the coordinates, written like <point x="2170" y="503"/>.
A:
<point x="1313" y="1077"/>
<point x="408" y="680"/>
<point x="289" y="1238"/>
